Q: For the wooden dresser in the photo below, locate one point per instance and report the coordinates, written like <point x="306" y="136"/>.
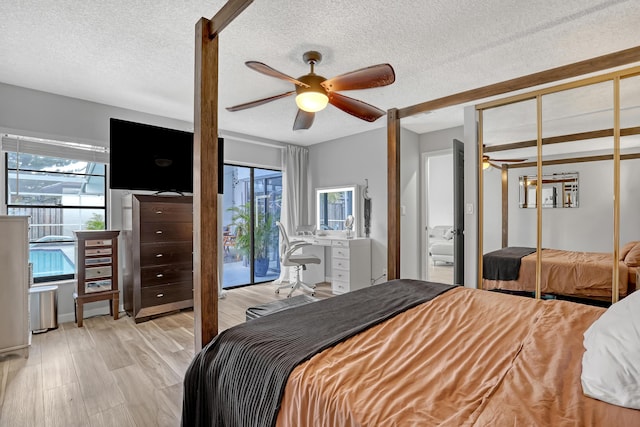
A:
<point x="158" y="261"/>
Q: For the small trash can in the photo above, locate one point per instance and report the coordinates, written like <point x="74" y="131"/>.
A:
<point x="43" y="302"/>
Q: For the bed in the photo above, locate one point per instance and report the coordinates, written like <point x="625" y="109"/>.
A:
<point x="405" y="352"/>
<point x="567" y="273"/>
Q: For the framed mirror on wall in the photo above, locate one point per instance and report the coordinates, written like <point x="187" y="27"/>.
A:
<point x="333" y="206"/>
<point x="559" y="190"/>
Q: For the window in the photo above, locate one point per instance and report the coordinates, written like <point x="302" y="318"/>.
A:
<point x="60" y="194"/>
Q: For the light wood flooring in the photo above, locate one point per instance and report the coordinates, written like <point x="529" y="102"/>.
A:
<point x="113" y="372"/>
<point x="440" y="272"/>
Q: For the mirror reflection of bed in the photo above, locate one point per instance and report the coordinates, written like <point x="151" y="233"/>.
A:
<point x="586" y="247"/>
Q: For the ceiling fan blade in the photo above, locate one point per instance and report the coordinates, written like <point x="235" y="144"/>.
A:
<point x="364" y="78"/>
<point x="304" y="120"/>
<point x="265" y="69"/>
<point x="355" y="107"/>
<point x="259" y="102"/>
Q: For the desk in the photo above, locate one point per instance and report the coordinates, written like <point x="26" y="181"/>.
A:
<point x="347" y="267"/>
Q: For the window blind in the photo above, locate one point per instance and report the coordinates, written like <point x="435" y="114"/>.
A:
<point x="62" y="149"/>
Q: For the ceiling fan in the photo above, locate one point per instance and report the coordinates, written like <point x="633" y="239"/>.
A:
<point x="488" y="161"/>
<point x="314" y="92"/>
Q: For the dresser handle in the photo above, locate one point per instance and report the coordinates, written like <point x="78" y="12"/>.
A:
<point x="159" y="275"/>
<point x="158" y="255"/>
<point x="159" y="232"/>
<point x="159" y="295"/>
<point x="158" y="212"/>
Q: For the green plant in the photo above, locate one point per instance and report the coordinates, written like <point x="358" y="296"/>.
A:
<point x="263" y="230"/>
<point x="95" y="223"/>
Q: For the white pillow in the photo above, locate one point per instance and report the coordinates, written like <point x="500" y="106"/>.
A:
<point x="448" y="234"/>
<point x="611" y="361"/>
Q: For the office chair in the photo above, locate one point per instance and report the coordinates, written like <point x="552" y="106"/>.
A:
<point x="299" y="261"/>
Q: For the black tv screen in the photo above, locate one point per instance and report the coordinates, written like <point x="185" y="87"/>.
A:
<point x="152" y="158"/>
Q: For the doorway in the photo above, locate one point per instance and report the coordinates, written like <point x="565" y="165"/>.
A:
<point x="442" y="249"/>
<point x="252" y="200"/>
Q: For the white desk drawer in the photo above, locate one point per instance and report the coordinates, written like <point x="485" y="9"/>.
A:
<point x="339" y="287"/>
<point x="340" y="264"/>
<point x="340" y="243"/>
<point x="340" y="275"/>
<point x="340" y="252"/>
<point x="319" y="242"/>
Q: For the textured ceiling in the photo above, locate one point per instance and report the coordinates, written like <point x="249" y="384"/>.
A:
<point x="140" y="54"/>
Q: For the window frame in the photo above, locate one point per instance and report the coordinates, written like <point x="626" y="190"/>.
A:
<point x="66" y="153"/>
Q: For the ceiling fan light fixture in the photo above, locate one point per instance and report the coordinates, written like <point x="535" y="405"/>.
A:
<point x="311" y="101"/>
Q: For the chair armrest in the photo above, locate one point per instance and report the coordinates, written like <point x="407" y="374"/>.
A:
<point x="295" y="246"/>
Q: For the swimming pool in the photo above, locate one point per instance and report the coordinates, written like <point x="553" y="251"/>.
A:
<point x="50" y="262"/>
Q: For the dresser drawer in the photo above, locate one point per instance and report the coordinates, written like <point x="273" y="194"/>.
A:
<point x="95" y="272"/>
<point x="166" y="212"/>
<point x="338" y="252"/>
<point x="165" y="294"/>
<point x="97" y="260"/>
<point x="163" y="274"/>
<point x="166" y="232"/>
<point x="165" y="253"/>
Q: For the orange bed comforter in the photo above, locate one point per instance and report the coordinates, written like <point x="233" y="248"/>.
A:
<point x="465" y="358"/>
<point x="578" y="274"/>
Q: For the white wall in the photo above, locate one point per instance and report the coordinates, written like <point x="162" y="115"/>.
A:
<point x="438" y="146"/>
<point x="350" y="161"/>
<point x="589" y="227"/>
<point x="45" y="115"/>
<point x="410" y="203"/>
<point x="356" y="158"/>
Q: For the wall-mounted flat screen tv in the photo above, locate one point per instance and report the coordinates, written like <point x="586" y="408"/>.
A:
<point x="151" y="158"/>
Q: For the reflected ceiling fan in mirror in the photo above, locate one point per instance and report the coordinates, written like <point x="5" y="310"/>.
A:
<point x="314" y="92"/>
<point x="496" y="163"/>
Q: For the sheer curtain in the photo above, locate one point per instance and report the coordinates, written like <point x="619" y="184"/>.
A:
<point x="295" y="203"/>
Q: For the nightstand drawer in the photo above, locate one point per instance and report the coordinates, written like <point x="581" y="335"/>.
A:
<point x="166" y="232"/>
<point x="165" y="294"/>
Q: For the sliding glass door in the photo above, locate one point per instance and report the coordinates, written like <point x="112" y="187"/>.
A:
<point x="251" y="206"/>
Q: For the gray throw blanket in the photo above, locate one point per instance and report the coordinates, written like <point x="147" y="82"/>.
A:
<point x="238" y="379"/>
<point x="504" y="264"/>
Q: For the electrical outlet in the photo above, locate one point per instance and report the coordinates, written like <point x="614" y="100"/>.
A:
<point x="384" y="271"/>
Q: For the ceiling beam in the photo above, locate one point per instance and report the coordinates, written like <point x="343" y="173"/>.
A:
<point x="225" y="15"/>
<point x="600" y="63"/>
<point x="581" y="136"/>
